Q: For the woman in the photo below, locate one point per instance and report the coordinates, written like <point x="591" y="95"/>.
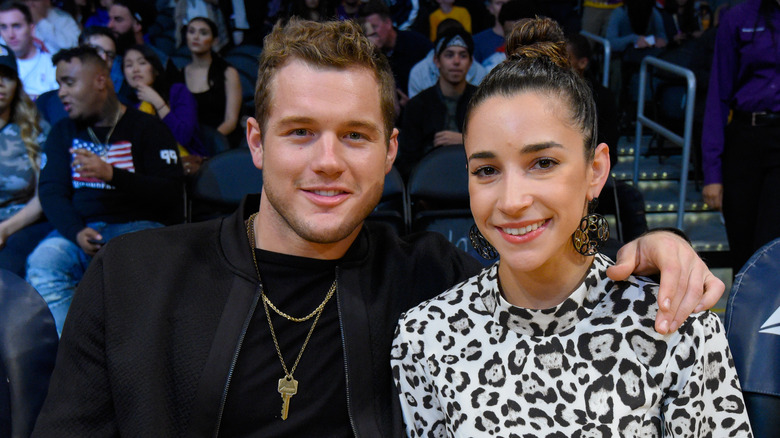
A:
<point x="173" y="103"/>
<point x="543" y="343"/>
<point x="314" y="10"/>
<point x="212" y="81"/>
<point x="22" y="132"/>
<point x="741" y="131"/>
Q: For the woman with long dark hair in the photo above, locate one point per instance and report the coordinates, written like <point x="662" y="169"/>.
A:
<point x="211" y="80"/>
<point x="741" y="132"/>
<point x="171" y="102"/>
<point x="544" y="343"/>
<point x="22" y="133"/>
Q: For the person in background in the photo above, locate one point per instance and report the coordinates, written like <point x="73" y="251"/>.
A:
<point x="435" y="117"/>
<point x="92" y="12"/>
<point x="54" y="27"/>
<point x="171" y="102"/>
<point x="425" y="73"/>
<point x="348" y="9"/>
<point x="314" y="10"/>
<point x="595" y="15"/>
<point x="109" y="170"/>
<point x="186" y="10"/>
<point x="403" y="48"/>
<point x="741" y="132"/>
<point x="510" y="13"/>
<point x="35" y="68"/>
<point x="446" y="10"/>
<point x="212" y="81"/>
<point x="544" y="340"/>
<point x="489" y="40"/>
<point x="129" y="20"/>
<point x="22" y="224"/>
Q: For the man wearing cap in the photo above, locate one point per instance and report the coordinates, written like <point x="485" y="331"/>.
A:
<point x="35" y="68"/>
<point x="434" y="117"/>
<point x="128" y="19"/>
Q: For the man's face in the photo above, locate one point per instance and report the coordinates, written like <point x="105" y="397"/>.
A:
<point x="105" y="47"/>
<point x="324" y="156"/>
<point x="38" y="8"/>
<point x="17" y="32"/>
<point x="79" y="85"/>
<point x="453" y="64"/>
<point x="121" y="21"/>
<point x="380" y="31"/>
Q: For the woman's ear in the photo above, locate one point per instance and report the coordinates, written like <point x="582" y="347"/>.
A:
<point x="599" y="167"/>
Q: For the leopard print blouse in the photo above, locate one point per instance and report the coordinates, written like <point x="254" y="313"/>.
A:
<point x="467" y="363"/>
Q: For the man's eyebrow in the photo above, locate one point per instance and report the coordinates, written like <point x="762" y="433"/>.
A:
<point x="363" y="124"/>
<point x="295" y="120"/>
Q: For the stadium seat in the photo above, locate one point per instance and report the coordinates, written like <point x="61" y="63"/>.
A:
<point x="244" y="58"/>
<point x="438" y="195"/>
<point x="392" y="206"/>
<point x="223" y="180"/>
<point x="28" y="347"/>
<point x="753" y="331"/>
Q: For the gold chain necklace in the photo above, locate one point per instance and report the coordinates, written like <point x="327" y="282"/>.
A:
<point x="288" y="386"/>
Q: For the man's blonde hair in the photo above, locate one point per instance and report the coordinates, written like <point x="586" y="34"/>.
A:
<point x="335" y="44"/>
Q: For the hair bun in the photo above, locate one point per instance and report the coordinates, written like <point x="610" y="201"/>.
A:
<point x="539" y="37"/>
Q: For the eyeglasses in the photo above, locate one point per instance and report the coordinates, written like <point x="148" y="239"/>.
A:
<point x="103" y="52"/>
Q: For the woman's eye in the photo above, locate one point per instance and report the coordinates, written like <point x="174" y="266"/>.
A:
<point x="546" y="163"/>
<point x="485" y="171"/>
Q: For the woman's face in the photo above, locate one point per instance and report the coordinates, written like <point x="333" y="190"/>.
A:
<point x="529" y="181"/>
<point x="199" y="37"/>
<point x="8" y="86"/>
<point x="138" y="71"/>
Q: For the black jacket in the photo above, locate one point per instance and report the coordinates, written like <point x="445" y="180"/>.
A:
<point x="157" y="323"/>
<point x="423" y="117"/>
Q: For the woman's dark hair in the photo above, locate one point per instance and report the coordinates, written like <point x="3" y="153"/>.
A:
<point x="538" y="62"/>
<point x="639" y="14"/>
<point x="161" y="83"/>
<point x="686" y="15"/>
<point x="211" y="24"/>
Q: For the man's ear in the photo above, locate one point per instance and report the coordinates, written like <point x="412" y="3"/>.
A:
<point x="392" y="150"/>
<point x="254" y="139"/>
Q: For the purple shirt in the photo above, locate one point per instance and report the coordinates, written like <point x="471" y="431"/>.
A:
<point x="745" y="77"/>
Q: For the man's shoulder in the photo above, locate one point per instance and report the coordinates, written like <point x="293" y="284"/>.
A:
<point x="173" y="240"/>
<point x="485" y="36"/>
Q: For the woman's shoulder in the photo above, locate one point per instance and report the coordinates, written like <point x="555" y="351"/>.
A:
<point x="635" y="295"/>
<point x="460" y="297"/>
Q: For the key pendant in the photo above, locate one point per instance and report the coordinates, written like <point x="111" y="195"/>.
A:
<point x="288" y="387"/>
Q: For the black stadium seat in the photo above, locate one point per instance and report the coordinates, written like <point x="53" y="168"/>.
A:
<point x="28" y="347"/>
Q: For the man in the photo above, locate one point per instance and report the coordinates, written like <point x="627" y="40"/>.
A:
<point x="425" y="73"/>
<point x="435" y="117"/>
<point x="487" y="41"/>
<point x="35" y="68"/>
<point x="129" y="19"/>
<point x="109" y="170"/>
<point x="186" y="339"/>
<point x="404" y="48"/>
<point x="53" y="26"/>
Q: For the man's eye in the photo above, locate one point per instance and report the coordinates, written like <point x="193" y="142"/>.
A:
<point x="355" y="136"/>
<point x="299" y="132"/>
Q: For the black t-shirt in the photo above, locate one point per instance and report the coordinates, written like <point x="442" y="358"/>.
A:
<point x="296" y="285"/>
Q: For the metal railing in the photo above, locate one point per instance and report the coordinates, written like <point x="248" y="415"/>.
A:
<point x="607" y="54"/>
<point x="684" y="141"/>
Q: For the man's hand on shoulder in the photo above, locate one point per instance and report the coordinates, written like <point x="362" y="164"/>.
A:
<point x="90" y="165"/>
<point x="687" y="285"/>
<point x="90" y="240"/>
